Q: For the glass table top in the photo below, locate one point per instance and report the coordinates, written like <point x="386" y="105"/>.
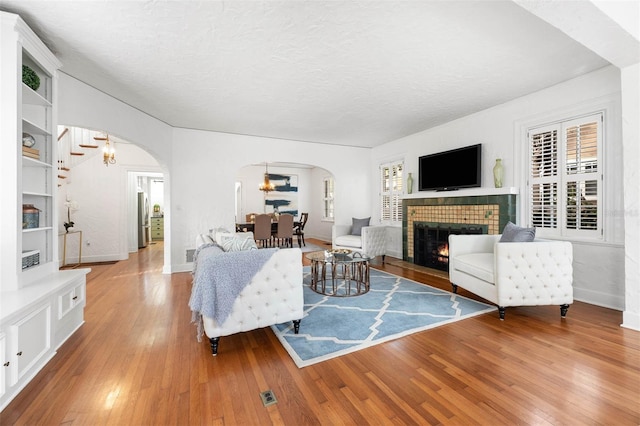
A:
<point x="338" y="256"/>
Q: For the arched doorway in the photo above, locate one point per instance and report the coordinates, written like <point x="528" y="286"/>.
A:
<point x="309" y="196"/>
<point x="103" y="191"/>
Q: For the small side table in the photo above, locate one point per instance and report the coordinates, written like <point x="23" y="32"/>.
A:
<point x="64" y="249"/>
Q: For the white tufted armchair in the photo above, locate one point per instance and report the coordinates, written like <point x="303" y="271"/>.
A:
<point x="372" y="241"/>
<point x="513" y="274"/>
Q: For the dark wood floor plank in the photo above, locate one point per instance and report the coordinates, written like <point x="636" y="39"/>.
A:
<point x="136" y="360"/>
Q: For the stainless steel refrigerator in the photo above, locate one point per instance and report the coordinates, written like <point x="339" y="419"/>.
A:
<point x="144" y="227"/>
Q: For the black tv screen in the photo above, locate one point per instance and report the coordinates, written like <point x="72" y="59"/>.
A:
<point x="450" y="170"/>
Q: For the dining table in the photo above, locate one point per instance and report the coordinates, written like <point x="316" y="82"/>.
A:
<point x="249" y="227"/>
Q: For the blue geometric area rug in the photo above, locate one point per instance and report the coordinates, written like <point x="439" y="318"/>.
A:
<point x="394" y="307"/>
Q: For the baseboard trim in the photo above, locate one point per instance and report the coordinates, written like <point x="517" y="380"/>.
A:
<point x="604" y="300"/>
<point x="631" y="320"/>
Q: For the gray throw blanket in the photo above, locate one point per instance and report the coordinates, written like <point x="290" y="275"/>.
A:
<point x="218" y="279"/>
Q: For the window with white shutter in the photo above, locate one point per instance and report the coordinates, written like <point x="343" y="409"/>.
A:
<point x="327" y="198"/>
<point x="544" y="178"/>
<point x="565" y="177"/>
<point x="391" y="191"/>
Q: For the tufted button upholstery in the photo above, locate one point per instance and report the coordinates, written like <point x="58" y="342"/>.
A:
<point x="542" y="270"/>
<point x="273" y="296"/>
<point x="372" y="241"/>
<point x="512" y="274"/>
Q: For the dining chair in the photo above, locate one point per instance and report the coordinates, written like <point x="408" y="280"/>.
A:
<point x="262" y="230"/>
<point x="284" y="235"/>
<point x="299" y="230"/>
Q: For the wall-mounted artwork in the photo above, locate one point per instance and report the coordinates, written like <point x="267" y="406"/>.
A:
<point x="285" y="197"/>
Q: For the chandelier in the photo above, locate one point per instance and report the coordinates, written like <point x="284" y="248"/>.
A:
<point x="108" y="152"/>
<point x="266" y="185"/>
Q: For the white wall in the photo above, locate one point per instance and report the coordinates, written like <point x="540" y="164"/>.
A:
<point x="200" y="167"/>
<point x="499" y="129"/>
<point x="103" y="213"/>
<point x="205" y="167"/>
<point x="81" y="105"/>
<point x="620" y="45"/>
<point x="631" y="131"/>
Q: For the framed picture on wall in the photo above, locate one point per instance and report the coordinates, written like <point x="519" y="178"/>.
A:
<point x="285" y="197"/>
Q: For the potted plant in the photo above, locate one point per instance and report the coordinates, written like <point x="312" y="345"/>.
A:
<point x="30" y="78"/>
<point x="70" y="205"/>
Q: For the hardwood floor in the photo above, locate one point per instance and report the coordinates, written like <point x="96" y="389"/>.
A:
<point x="136" y="361"/>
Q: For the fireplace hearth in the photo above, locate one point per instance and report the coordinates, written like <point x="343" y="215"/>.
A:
<point x="431" y="242"/>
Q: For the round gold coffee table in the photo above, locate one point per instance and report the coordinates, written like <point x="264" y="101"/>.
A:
<point x="339" y="273"/>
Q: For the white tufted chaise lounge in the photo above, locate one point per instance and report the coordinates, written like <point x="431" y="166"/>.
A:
<point x="273" y="296"/>
<point x="513" y="274"/>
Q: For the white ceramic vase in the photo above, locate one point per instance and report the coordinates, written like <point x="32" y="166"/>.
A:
<point x="409" y="184"/>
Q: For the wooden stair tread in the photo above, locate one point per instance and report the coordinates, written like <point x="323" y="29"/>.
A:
<point x="76" y="153"/>
<point x="88" y="146"/>
<point x="64" y="132"/>
<point x="62" y="177"/>
<point x="66" y="169"/>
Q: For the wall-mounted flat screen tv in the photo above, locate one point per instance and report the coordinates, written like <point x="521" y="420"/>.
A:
<point x="451" y="170"/>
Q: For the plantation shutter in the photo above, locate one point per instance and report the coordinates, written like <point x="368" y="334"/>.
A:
<point x="396" y="198"/>
<point x="565" y="177"/>
<point x="582" y="182"/>
<point x="328" y="199"/>
<point x="544" y="178"/>
<point x="391" y="188"/>
<point x="385" y="193"/>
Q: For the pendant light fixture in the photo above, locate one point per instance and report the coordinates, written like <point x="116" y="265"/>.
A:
<point x="108" y="152"/>
<point x="266" y="186"/>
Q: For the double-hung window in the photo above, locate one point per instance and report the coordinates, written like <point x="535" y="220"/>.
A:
<point x="327" y="199"/>
<point x="391" y="189"/>
<point x="565" y="178"/>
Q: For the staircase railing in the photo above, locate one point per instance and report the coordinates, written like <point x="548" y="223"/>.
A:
<point x="75" y="145"/>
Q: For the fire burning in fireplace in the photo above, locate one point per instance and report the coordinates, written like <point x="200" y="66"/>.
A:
<point x="443" y="253"/>
<point x="431" y="243"/>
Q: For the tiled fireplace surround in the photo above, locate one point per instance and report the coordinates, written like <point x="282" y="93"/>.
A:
<point x="493" y="211"/>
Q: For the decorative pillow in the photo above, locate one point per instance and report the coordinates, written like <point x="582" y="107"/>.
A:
<point x="356" y="227"/>
<point x="213" y="232"/>
<point x="221" y="237"/>
<point x="239" y="244"/>
<point x="206" y="239"/>
<point x="516" y="234"/>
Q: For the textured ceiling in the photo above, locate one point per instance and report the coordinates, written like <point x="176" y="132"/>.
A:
<point x="339" y="72"/>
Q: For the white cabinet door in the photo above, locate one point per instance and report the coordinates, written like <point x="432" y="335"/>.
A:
<point x="30" y="341"/>
<point x="4" y="365"/>
<point x="69" y="299"/>
<point x="69" y="311"/>
<point x="65" y="303"/>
